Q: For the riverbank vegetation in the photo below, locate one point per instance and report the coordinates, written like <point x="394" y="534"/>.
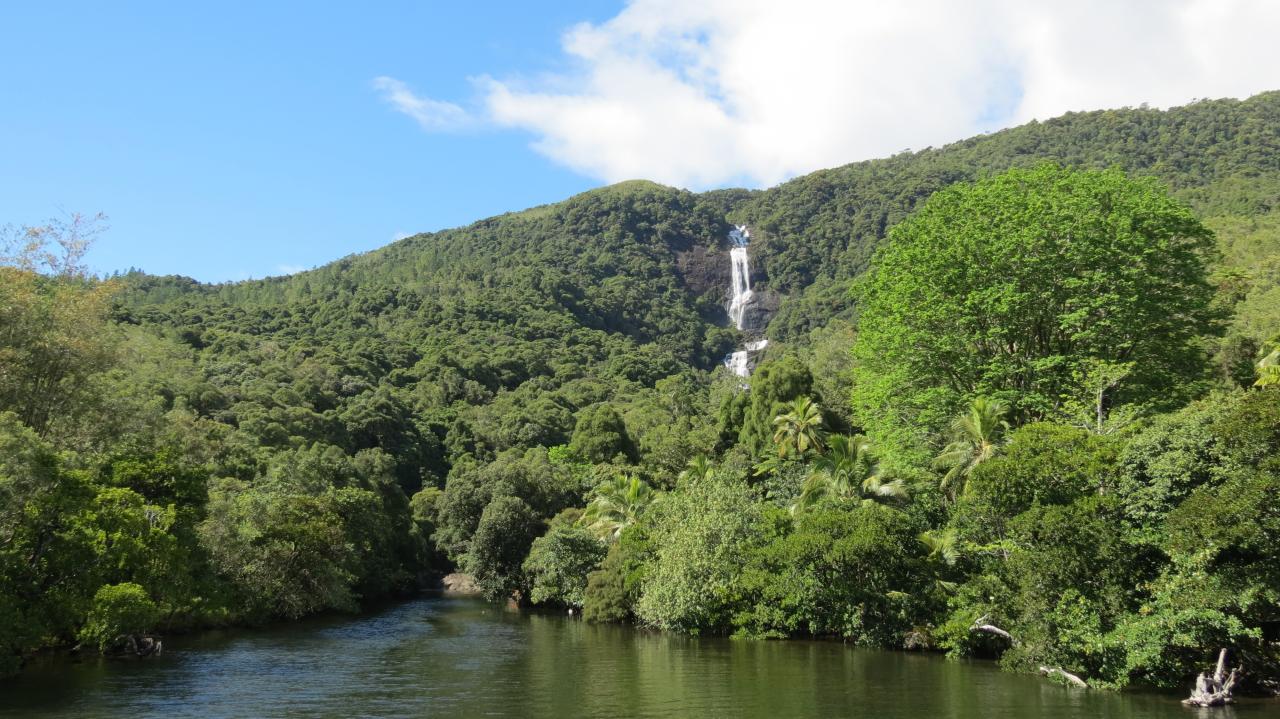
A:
<point x="1013" y="408"/>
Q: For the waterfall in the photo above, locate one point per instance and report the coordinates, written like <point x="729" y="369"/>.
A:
<point x="740" y="296"/>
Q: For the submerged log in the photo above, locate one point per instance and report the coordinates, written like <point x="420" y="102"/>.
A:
<point x="1215" y="690"/>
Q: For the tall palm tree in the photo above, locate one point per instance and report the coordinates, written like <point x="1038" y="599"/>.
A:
<point x="943" y="545"/>
<point x="799" y="429"/>
<point x="696" y="470"/>
<point x="615" y="505"/>
<point x="1269" y="370"/>
<point x="849" y="468"/>
<point x="975" y="437"/>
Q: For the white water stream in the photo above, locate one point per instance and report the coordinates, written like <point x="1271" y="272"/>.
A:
<point x="739" y="296"/>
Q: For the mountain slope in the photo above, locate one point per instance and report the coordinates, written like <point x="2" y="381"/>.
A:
<point x="495" y="335"/>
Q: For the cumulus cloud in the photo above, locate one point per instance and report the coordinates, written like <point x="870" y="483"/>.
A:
<point x="756" y="91"/>
<point x="432" y="115"/>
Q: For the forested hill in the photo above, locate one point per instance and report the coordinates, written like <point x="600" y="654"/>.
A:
<point x="189" y="454"/>
<point x="1221" y="156"/>
<point x="495" y="335"/>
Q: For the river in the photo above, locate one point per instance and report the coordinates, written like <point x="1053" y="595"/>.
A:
<point x="444" y="657"/>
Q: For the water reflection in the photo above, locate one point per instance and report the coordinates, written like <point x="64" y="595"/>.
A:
<point x="459" y="658"/>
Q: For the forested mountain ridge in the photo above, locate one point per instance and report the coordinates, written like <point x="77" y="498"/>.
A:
<point x="536" y="398"/>
<point x="1221" y="156"/>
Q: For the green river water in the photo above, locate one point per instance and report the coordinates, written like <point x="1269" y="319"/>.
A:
<point x="464" y="658"/>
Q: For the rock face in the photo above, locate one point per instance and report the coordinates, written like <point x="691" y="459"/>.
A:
<point x="758" y="310"/>
<point x="459" y="585"/>
<point x="702" y="269"/>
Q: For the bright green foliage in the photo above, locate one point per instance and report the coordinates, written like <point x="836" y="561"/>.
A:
<point x="1166" y="461"/>
<point x="616" y="504"/>
<point x="503" y="536"/>
<point x="799" y="430"/>
<point x="1006" y="287"/>
<point x="857" y="572"/>
<point x="286" y="553"/>
<point x="119" y="611"/>
<point x="703" y="535"/>
<point x="53" y="340"/>
<point x="545" y="486"/>
<point x="1222" y="587"/>
<point x="44" y="518"/>
<point x="601" y="435"/>
<point x="976" y="436"/>
<point x="698" y="469"/>
<point x="1269" y="370"/>
<point x="64" y="537"/>
<point x="849" y="469"/>
<point x="774" y="385"/>
<point x="245" y="451"/>
<point x="1067" y="578"/>
<point x="1042" y="464"/>
<point x="560" y="560"/>
<point x="614" y="589"/>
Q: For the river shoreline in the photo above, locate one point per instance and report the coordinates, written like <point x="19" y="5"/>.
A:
<point x="468" y="657"/>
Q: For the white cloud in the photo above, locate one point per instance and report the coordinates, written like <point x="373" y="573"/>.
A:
<point x="755" y="91"/>
<point x="289" y="269"/>
<point x="432" y="115"/>
<point x="400" y="235"/>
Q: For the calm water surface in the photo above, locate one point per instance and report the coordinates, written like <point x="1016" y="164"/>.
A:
<point x="464" y="658"/>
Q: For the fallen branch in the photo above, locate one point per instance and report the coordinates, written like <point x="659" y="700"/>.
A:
<point x="1215" y="690"/>
<point x="980" y="625"/>
<point x="993" y="629"/>
<point x="1072" y="678"/>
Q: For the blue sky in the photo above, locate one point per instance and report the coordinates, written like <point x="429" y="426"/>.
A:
<point x="227" y="140"/>
<point x="233" y="140"/>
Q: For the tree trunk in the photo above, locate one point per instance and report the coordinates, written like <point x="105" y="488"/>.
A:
<point x="1214" y="690"/>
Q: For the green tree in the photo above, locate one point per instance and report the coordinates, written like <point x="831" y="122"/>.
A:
<point x="774" y="384"/>
<point x="702" y="536"/>
<point x="560" y="560"/>
<point x="600" y="435"/>
<point x="286" y="553"/>
<point x="848" y="469"/>
<point x="1006" y="287"/>
<point x="975" y="438"/>
<point x="1042" y="464"/>
<point x="507" y="528"/>
<point x="697" y="470"/>
<point x="614" y="589"/>
<point x="616" y="504"/>
<point x="1269" y="370"/>
<point x="856" y="572"/>
<point x="120" y="614"/>
<point x="799" y="430"/>
<point x="54" y="333"/>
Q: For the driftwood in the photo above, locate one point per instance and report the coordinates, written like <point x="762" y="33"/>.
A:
<point x="993" y="629"/>
<point x="981" y="625"/>
<point x="1214" y="690"/>
<point x="1075" y="680"/>
<point x="137" y="646"/>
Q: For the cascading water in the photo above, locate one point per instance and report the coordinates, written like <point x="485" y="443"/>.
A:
<point x="739" y="297"/>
